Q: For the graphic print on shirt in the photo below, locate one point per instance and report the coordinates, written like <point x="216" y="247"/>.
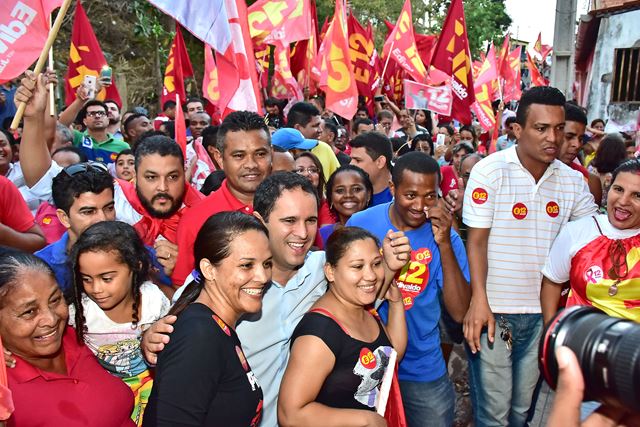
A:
<point x="371" y="366"/>
<point x="250" y="375"/>
<point x="519" y="211"/>
<point x="122" y="358"/>
<point x="553" y="210"/>
<point x="413" y="278"/>
<point x="479" y="196"/>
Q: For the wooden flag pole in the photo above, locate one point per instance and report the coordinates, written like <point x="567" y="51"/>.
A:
<point x="386" y="63"/>
<point x="53" y="33"/>
<point x="52" y="94"/>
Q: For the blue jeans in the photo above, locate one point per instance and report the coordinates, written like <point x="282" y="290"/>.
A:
<point x="429" y="403"/>
<point x="503" y="380"/>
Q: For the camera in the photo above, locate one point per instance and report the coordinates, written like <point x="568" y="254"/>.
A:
<point x="607" y="348"/>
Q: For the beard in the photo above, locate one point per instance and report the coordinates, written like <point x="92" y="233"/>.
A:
<point x="148" y="204"/>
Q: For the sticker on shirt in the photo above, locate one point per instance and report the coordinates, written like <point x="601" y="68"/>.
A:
<point x="113" y="156"/>
<point x="222" y="325"/>
<point x="413" y="278"/>
<point x="371" y="366"/>
<point x="553" y="210"/>
<point x="479" y="196"/>
<point x="594" y="274"/>
<point x="519" y="211"/>
<point x="46" y="220"/>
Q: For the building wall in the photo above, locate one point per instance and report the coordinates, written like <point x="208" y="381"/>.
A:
<point x="616" y="31"/>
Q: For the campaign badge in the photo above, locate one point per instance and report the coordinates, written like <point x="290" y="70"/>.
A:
<point x="479" y="196"/>
<point x="553" y="210"/>
<point x="519" y="211"/>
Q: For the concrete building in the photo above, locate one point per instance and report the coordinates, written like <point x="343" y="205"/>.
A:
<point x="607" y="63"/>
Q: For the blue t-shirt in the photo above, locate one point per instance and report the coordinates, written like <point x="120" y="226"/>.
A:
<point x="420" y="281"/>
<point x="384" y="196"/>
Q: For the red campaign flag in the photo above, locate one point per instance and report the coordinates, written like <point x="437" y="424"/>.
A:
<point x="488" y="70"/>
<point x="537" y="47"/>
<point x="546" y="50"/>
<point x="285" y="85"/>
<point x="503" y="60"/>
<point x="323" y="30"/>
<point x="178" y="68"/>
<point x="280" y="22"/>
<point x="261" y="51"/>
<point x="534" y="73"/>
<point x="424" y="43"/>
<point x="482" y="107"/>
<point x="452" y="57"/>
<point x="236" y="66"/>
<point x="303" y="55"/>
<point x="333" y="68"/>
<point x="512" y="90"/>
<point x="24" y="34"/>
<point x="181" y="127"/>
<point x="401" y="45"/>
<point x="211" y="82"/>
<point x="363" y="56"/>
<point x="85" y="58"/>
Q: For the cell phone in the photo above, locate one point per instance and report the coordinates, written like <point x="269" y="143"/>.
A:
<point x="90" y="83"/>
<point x="440" y="140"/>
<point x="378" y="98"/>
<point x="106" y="75"/>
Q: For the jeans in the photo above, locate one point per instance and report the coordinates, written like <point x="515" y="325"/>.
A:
<point x="429" y="403"/>
<point x="503" y="380"/>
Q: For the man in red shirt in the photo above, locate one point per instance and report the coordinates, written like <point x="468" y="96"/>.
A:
<point x="245" y="156"/>
<point x="574" y="127"/>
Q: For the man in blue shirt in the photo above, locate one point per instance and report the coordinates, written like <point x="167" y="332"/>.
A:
<point x="372" y="152"/>
<point x="83" y="194"/>
<point x="438" y="264"/>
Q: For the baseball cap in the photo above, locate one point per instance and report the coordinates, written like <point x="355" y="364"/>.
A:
<point x="289" y="138"/>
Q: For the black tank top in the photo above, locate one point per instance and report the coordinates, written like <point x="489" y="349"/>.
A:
<point x="355" y="380"/>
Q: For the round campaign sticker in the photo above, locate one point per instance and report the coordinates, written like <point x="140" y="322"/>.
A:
<point x="113" y="156"/>
<point x="367" y="358"/>
<point x="479" y="196"/>
<point x="553" y="210"/>
<point x="594" y="274"/>
<point x="519" y="211"/>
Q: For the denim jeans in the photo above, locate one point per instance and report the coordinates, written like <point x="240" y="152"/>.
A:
<point x="503" y="380"/>
<point x="429" y="403"/>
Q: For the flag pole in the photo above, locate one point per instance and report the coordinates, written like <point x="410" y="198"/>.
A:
<point x="386" y="63"/>
<point x="43" y="57"/>
<point x="52" y="94"/>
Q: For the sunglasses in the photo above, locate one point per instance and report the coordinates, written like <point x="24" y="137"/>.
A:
<point x="79" y="168"/>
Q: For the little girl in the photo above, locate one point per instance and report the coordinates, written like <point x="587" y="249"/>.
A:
<point x="114" y="303"/>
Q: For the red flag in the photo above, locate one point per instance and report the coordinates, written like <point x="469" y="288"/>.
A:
<point x="363" y="58"/>
<point x="236" y="66"/>
<point x="512" y="90"/>
<point x="546" y="50"/>
<point x="503" y="59"/>
<point x="424" y="43"/>
<point x="537" y="47"/>
<point x="211" y="82"/>
<point x="279" y="22"/>
<point x="262" y="51"/>
<point x="401" y="45"/>
<point x="304" y="53"/>
<point x="488" y="70"/>
<point x="452" y="57"/>
<point x="85" y="58"/>
<point x="178" y="68"/>
<point x="323" y="30"/>
<point x="534" y="73"/>
<point x="333" y="69"/>
<point x="24" y="34"/>
<point x="285" y="86"/>
<point x="181" y="127"/>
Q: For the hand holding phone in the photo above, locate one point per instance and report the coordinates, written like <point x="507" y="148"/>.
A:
<point x="106" y="76"/>
<point x="90" y="84"/>
<point x="440" y="139"/>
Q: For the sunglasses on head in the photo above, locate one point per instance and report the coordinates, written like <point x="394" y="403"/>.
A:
<point x="78" y="168"/>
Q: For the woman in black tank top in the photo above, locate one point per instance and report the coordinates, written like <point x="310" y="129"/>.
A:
<point x="340" y="350"/>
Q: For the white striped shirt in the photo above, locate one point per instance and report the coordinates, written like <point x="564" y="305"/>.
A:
<point x="524" y="217"/>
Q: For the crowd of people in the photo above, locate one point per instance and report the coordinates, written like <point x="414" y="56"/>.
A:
<point x="270" y="271"/>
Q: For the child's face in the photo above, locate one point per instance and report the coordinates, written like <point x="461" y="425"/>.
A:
<point x="125" y="167"/>
<point x="108" y="282"/>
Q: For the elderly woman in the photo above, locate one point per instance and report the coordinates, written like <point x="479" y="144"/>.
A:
<point x="55" y="381"/>
<point x="596" y="257"/>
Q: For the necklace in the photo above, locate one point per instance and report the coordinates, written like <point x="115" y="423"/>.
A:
<point x="619" y="268"/>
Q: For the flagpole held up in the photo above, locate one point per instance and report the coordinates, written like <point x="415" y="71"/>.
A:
<point x="43" y="56"/>
<point x="52" y="94"/>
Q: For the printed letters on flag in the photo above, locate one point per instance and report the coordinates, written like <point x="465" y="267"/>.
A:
<point x="24" y="33"/>
<point x="452" y="57"/>
<point x="178" y="68"/>
<point x="419" y="96"/>
<point x="512" y="90"/>
<point x="363" y="58"/>
<point x="280" y="22"/>
<point x="401" y="45"/>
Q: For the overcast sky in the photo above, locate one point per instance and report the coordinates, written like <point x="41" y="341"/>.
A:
<point x="531" y="17"/>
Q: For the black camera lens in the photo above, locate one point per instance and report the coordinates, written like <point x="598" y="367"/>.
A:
<point x="607" y="348"/>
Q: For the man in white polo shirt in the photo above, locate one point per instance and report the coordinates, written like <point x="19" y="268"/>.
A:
<point x="515" y="203"/>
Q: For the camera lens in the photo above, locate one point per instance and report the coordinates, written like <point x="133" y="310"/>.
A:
<point x="607" y="348"/>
